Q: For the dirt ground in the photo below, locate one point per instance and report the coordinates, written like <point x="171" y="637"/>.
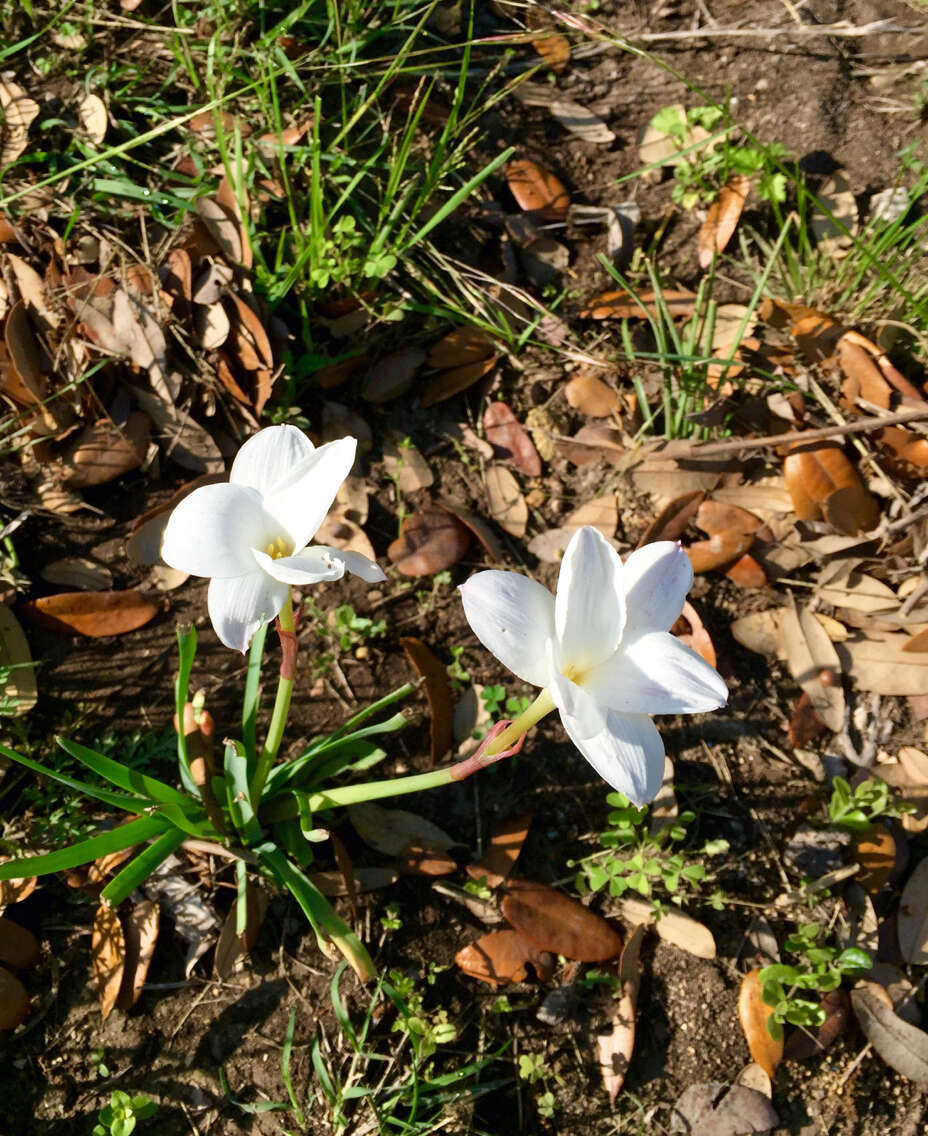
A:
<point x="816" y="95"/>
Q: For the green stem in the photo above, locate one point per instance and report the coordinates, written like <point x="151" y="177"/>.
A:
<point x="417" y="782"/>
<point x="275" y="731"/>
<point x="529" y="717"/>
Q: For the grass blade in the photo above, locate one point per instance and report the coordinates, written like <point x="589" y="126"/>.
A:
<point x="124" y="836"/>
<point x="124" y="778"/>
<point x="141" y="867"/>
<point x="116" y="800"/>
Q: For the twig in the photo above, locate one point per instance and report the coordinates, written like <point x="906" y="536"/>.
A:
<point x="858" y="426"/>
<point x="805" y="31"/>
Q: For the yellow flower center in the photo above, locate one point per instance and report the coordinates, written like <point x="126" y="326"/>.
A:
<point x="278" y="548"/>
<point x="576" y="674"/>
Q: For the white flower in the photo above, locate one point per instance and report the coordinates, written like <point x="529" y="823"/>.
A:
<point x="603" y="649"/>
<point x="250" y="535"/>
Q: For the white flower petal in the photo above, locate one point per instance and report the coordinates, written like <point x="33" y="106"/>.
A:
<point x="356" y="563"/>
<point x="311" y="566"/>
<point x="657" y="674"/>
<point x="513" y="617"/>
<point x="589" y="608"/>
<point x="270" y="456"/>
<point x="627" y="753"/>
<point x="299" y="502"/>
<point x="239" y="607"/>
<point x="657" y="578"/>
<point x="212" y="532"/>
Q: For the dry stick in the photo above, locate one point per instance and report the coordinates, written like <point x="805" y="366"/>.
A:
<point x="860" y="426"/>
<point x="806" y="30"/>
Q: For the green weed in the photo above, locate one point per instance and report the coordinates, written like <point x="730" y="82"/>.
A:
<point x="821" y="968"/>
<point x="637" y="858"/>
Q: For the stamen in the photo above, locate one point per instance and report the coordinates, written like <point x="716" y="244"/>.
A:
<point x="277" y="548"/>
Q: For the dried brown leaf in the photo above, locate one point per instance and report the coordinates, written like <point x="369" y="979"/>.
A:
<point x="614" y="1049"/>
<point x="622" y="305"/>
<point x="674" y="519"/>
<point x="18" y="690"/>
<point x="14" y="1001"/>
<point x="91" y="613"/>
<point x="591" y="396"/>
<point x="505" y="502"/>
<point x="814" y="663"/>
<point x="391" y="831"/>
<point x="509" y="440"/>
<point x="392" y="375"/>
<point x="19" y="948"/>
<point x="500" y="956"/>
<point x="754" y="1013"/>
<point x="108" y="953"/>
<point x="141" y="935"/>
<point x="722" y="218"/>
<point x="438" y="692"/>
<point x="902" y="1046"/>
<point x="429" y="543"/>
<point x="448" y="383"/>
<point x="554" y="922"/>
<point x="824" y="484"/>
<point x="537" y="191"/>
<point x="912" y="925"/>
<point x="673" y="927"/>
<point x="503" y="850"/>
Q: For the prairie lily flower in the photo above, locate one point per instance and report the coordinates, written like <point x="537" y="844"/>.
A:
<point x="250" y="536"/>
<point x="602" y="649"/>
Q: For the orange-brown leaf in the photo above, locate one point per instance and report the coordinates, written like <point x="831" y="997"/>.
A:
<point x="429" y="543"/>
<point x="554" y="49"/>
<point x="509" y="439"/>
<point x="108" y="954"/>
<point x="537" y="191"/>
<point x="446" y="384"/>
<point x="14" y="1001"/>
<point x="753" y="1014"/>
<point x="621" y="305"/>
<point x="747" y="573"/>
<point x="554" y="922"/>
<point x="498" y="957"/>
<point x="503" y="850"/>
<point x="19" y="948"/>
<point x="438" y="692"/>
<point x="722" y="218"/>
<point x="717" y="517"/>
<point x="459" y="347"/>
<point x="862" y="377"/>
<point x="720" y="549"/>
<point x="823" y="483"/>
<point x="875" y="851"/>
<point x="141" y="935"/>
<point x="591" y="396"/>
<point x="91" y="613"/>
<point x="698" y="638"/>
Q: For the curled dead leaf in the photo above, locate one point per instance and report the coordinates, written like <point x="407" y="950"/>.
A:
<point x="438" y="692"/>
